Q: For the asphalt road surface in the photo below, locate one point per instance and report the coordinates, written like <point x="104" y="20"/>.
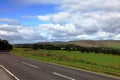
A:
<point x="28" y="69"/>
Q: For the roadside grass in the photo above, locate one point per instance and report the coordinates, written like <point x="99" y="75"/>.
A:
<point x="102" y="63"/>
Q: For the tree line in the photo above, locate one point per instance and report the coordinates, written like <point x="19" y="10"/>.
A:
<point x="5" y="46"/>
<point x="71" y="47"/>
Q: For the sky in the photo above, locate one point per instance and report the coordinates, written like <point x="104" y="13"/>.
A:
<point x="31" y="21"/>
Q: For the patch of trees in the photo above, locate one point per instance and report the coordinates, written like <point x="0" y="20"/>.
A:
<point x="23" y="45"/>
<point x="5" y="46"/>
<point x="98" y="50"/>
<point x="71" y="47"/>
<point x="46" y="47"/>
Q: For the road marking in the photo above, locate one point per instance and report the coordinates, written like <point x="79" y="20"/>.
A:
<point x="30" y="65"/>
<point x="63" y="76"/>
<point x="78" y="69"/>
<point x="9" y="72"/>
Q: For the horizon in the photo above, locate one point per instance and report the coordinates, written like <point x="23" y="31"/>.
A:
<point x="66" y="41"/>
<point x="34" y="21"/>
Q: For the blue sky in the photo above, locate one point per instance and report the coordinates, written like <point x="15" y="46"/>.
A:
<point x="30" y="21"/>
<point x="8" y="9"/>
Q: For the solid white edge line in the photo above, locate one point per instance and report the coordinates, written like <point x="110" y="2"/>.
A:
<point x="9" y="72"/>
<point x="30" y="65"/>
<point x="63" y="76"/>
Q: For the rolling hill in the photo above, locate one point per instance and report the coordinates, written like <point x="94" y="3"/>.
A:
<point x="97" y="43"/>
<point x="90" y="43"/>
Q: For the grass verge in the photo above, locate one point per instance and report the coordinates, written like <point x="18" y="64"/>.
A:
<point x="107" y="64"/>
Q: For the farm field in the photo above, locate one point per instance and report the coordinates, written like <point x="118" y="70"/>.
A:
<point x="102" y="63"/>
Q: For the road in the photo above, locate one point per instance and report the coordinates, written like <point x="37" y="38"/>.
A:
<point x="28" y="69"/>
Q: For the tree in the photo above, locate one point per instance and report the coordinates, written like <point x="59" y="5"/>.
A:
<point x="5" y="46"/>
<point x="35" y="46"/>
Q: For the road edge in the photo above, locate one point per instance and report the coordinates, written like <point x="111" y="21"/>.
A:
<point x="79" y="69"/>
<point x="9" y="72"/>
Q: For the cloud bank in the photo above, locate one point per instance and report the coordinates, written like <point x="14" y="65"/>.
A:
<point x="84" y="19"/>
<point x="20" y="34"/>
<point x="76" y="20"/>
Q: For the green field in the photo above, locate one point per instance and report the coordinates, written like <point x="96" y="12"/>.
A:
<point x="107" y="64"/>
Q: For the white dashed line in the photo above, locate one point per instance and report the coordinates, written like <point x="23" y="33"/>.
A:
<point x="9" y="72"/>
<point x="30" y="65"/>
<point x="63" y="76"/>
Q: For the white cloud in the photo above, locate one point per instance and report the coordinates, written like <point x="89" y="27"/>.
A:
<point x="83" y="37"/>
<point x="44" y="18"/>
<point x="117" y="37"/>
<point x="61" y="17"/>
<point x="20" y="34"/>
<point x="99" y="25"/>
<point x="80" y="5"/>
<point x="9" y="21"/>
<point x="97" y="19"/>
<point x="77" y="19"/>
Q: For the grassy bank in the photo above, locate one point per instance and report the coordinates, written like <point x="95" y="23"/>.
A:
<point x="102" y="63"/>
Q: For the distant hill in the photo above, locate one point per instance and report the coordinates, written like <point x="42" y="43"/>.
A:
<point x="97" y="43"/>
<point x="90" y="43"/>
